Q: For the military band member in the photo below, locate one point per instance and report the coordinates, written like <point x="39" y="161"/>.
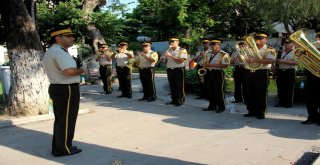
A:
<point x="238" y="78"/>
<point x="148" y="59"/>
<point x="217" y="60"/>
<point x="312" y="92"/>
<point x="286" y="75"/>
<point x="175" y="57"/>
<point x="105" y="69"/>
<point x="200" y="57"/>
<point x="64" y="76"/>
<point x="257" y="81"/>
<point x="122" y="57"/>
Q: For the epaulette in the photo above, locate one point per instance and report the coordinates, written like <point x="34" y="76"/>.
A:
<point x="223" y="52"/>
<point x="183" y="50"/>
<point x="272" y="50"/>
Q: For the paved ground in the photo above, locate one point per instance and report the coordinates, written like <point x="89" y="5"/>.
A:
<point x="128" y="131"/>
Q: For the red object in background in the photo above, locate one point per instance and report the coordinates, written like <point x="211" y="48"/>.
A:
<point x="192" y="64"/>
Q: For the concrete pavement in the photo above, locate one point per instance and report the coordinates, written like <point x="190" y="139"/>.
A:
<point x="128" y="131"/>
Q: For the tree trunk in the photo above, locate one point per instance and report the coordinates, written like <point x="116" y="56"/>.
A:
<point x="93" y="31"/>
<point x="29" y="84"/>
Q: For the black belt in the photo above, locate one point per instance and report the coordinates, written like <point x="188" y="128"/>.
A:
<point x="73" y="84"/>
<point x="105" y="65"/>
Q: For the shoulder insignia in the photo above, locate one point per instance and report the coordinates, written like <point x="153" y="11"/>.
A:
<point x="272" y="50"/>
<point x="226" y="60"/>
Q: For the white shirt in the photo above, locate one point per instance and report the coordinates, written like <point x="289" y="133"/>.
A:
<point x="202" y="59"/>
<point x="236" y="58"/>
<point x="178" y="53"/>
<point x="221" y="57"/>
<point x="56" y="60"/>
<point x="144" y="63"/>
<point x="103" y="60"/>
<point x="287" y="56"/>
<point x="122" y="58"/>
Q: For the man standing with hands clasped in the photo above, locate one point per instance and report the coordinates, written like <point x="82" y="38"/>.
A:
<point x="64" y="76"/>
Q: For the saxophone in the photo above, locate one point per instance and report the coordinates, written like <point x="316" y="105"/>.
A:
<point x="202" y="71"/>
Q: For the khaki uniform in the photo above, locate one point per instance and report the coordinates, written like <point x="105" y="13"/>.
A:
<point x="65" y="94"/>
<point x="106" y="71"/>
<point x="257" y="83"/>
<point x="203" y="86"/>
<point x="124" y="73"/>
<point x="215" y="78"/>
<point x="286" y="77"/>
<point x="175" y="72"/>
<point x="146" y="73"/>
<point x="239" y="79"/>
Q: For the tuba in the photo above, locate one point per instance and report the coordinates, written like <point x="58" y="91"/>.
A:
<point x="202" y="71"/>
<point x="247" y="50"/>
<point x="308" y="55"/>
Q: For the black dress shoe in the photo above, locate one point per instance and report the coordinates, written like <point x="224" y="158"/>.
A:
<point x="129" y="96"/>
<point x="74" y="150"/>
<point x="121" y="96"/>
<point x="107" y="93"/>
<point x="151" y="100"/>
<point x="178" y="104"/>
<point x="308" y="121"/>
<point x="208" y="109"/>
<point x="104" y="92"/>
<point x="249" y="115"/>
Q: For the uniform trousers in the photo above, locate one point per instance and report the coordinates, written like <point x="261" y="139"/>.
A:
<point x="203" y="86"/>
<point x="124" y="77"/>
<point x="285" y="83"/>
<point x="176" y="83"/>
<point x="65" y="98"/>
<point x="215" y="86"/>
<point x="147" y="81"/>
<point x="106" y="77"/>
<point x="313" y="97"/>
<point x="239" y="83"/>
<point x="256" y="90"/>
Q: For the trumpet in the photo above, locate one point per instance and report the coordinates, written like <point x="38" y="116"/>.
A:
<point x="163" y="58"/>
<point x="202" y="71"/>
